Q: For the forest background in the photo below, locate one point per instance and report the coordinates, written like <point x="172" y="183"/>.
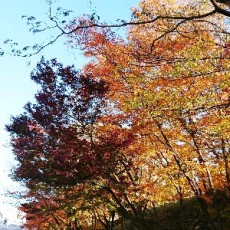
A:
<point x="143" y="123"/>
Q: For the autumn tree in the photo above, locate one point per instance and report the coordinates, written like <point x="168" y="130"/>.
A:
<point x="53" y="140"/>
<point x="172" y="75"/>
<point x="71" y="152"/>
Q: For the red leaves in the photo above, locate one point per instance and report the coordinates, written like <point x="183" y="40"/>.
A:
<point x="53" y="137"/>
<point x="106" y="155"/>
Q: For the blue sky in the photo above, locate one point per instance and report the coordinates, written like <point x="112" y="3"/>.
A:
<point x="16" y="88"/>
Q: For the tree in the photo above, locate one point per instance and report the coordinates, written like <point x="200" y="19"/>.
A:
<point x="53" y="140"/>
<point x="173" y="79"/>
<point x="70" y="152"/>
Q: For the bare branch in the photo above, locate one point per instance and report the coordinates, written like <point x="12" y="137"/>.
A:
<point x="119" y="25"/>
<point x="219" y="9"/>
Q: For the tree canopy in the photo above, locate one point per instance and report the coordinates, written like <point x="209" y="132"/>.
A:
<point x="143" y="123"/>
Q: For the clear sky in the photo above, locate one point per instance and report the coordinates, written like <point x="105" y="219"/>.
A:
<point x="16" y="88"/>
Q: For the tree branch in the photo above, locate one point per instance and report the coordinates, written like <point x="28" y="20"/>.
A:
<point x="119" y="25"/>
<point x="219" y="9"/>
